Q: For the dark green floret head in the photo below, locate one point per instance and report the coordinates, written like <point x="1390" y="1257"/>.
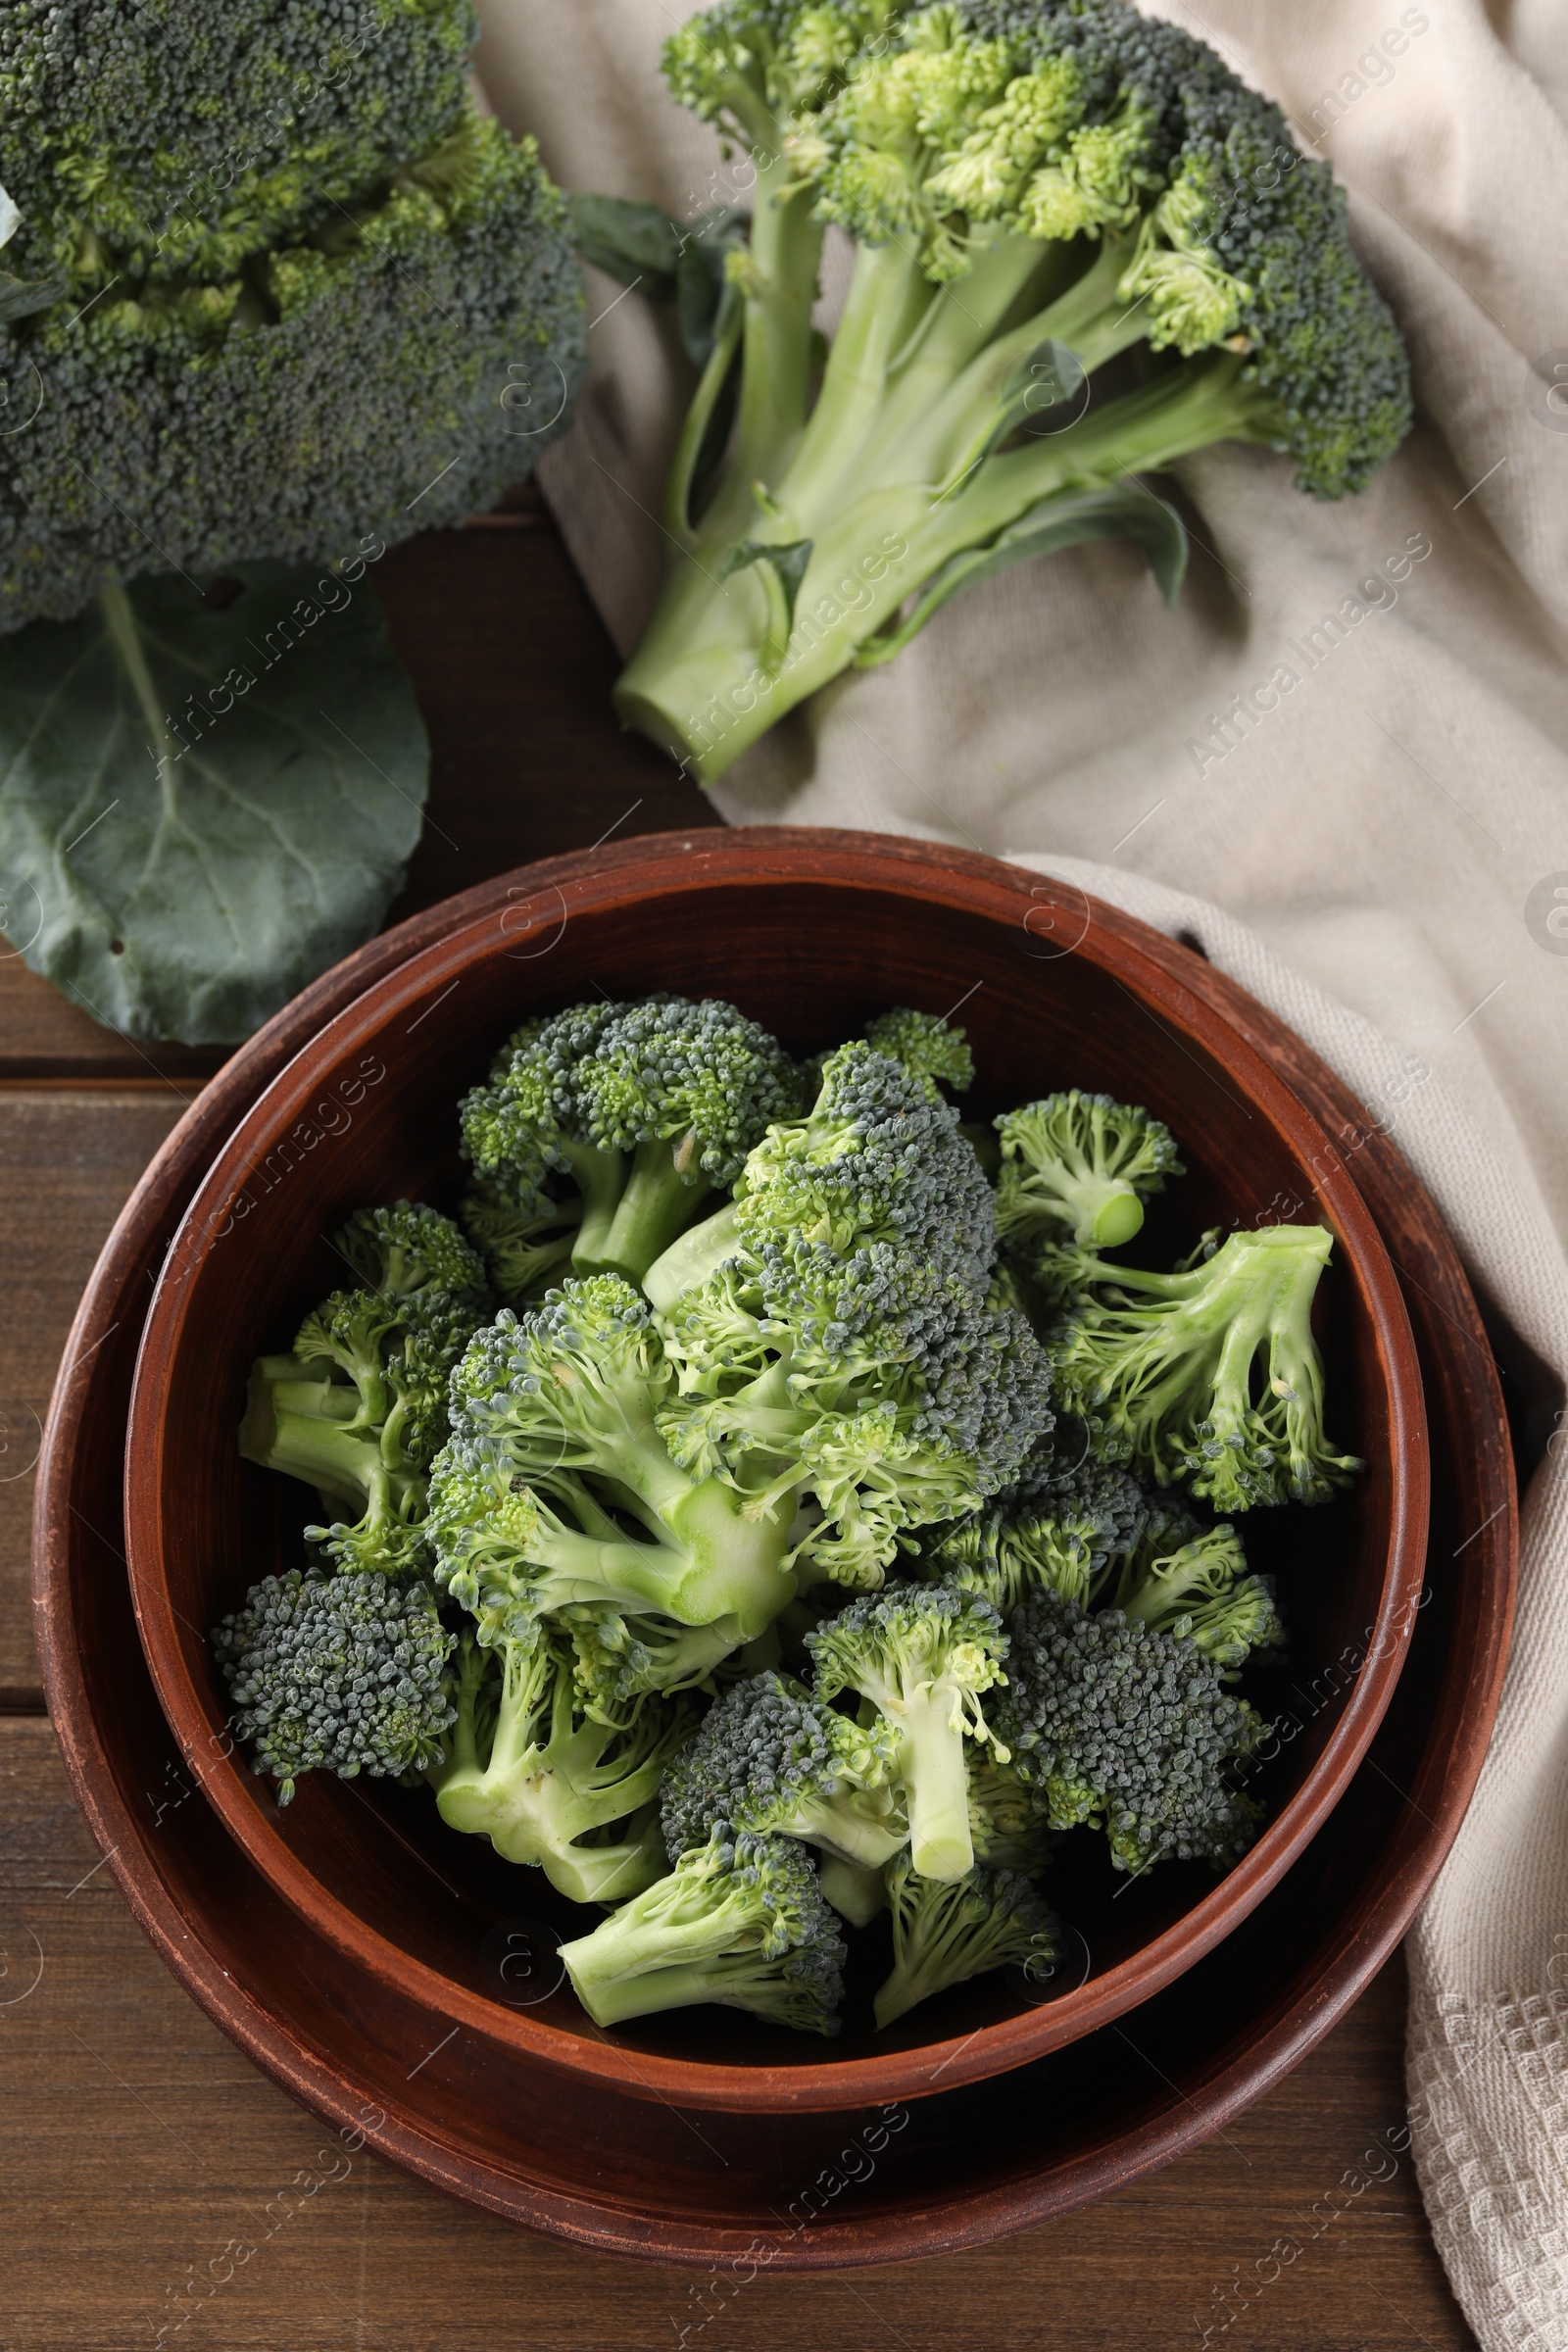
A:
<point x="698" y="1075"/>
<point x="773" y="1760"/>
<point x="345" y="1674"/>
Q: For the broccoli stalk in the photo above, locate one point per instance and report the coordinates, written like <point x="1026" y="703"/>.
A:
<point x="946" y="1932"/>
<point x="739" y="1922"/>
<point x="1081" y="1165"/>
<point x="552" y="1779"/>
<point x="921" y="1657"/>
<point x="1033" y="188"/>
<point x="1211" y="1374"/>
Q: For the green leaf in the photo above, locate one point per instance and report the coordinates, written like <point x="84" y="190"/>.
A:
<point x="787" y="561"/>
<point x="20" y="300"/>
<point x="203" y="808"/>
<point x="637" y="243"/>
<point x="1125" y="510"/>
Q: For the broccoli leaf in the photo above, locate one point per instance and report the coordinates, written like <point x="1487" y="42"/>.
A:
<point x="201" y="809"/>
<point x="627" y="239"/>
<point x="1125" y="511"/>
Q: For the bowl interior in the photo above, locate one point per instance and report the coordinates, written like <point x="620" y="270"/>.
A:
<point x="368" y="1114"/>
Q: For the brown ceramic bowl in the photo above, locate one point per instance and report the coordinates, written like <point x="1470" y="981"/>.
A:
<point x="811" y="933"/>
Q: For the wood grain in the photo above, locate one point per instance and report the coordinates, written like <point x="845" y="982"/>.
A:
<point x="138" y="2143"/>
<point x="66" y="1162"/>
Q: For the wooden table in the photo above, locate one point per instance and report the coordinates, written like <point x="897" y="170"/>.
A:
<point x="137" y="2144"/>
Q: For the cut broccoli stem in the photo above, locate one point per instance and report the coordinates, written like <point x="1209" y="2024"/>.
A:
<point x="611" y="2001"/>
<point x="856" y="1891"/>
<point x="690" y="1259"/>
<point x="299" y="1426"/>
<point x="661" y="1197"/>
<point x="936" y="1782"/>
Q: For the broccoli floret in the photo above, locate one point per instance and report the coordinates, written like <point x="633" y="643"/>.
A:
<point x="550" y="1781"/>
<point x="1182" y="1579"/>
<point x="772" y="1760"/>
<point x="408" y="1248"/>
<point x="360" y="1408"/>
<point x="344" y="1674"/>
<point x="620" y="1657"/>
<point x="1007" y="1826"/>
<point x="922" y="1656"/>
<point x="300" y="289"/>
<point x="555" y="1453"/>
<point x="924" y="1043"/>
<point x="741" y="1923"/>
<point x="1081" y="1165"/>
<point x="1033" y="187"/>
<point x="1114" y="1722"/>
<point x="945" y="1932"/>
<point x="1211" y="1374"/>
<point x="877" y="1158"/>
<point x="1057" y="1524"/>
<point x="647" y="1107"/>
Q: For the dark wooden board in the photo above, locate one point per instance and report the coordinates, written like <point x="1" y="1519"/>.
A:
<point x="137" y="2143"/>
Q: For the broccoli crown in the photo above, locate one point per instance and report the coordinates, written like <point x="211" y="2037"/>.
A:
<point x="924" y="1043"/>
<point x="1081" y="1165"/>
<point x="878" y="1158"/>
<point x="294" y="306"/>
<point x="702" y="1074"/>
<point x="772" y="1758"/>
<point x="1058" y="119"/>
<point x="893" y="1644"/>
<point x="408" y="1248"/>
<point x="944" y="1933"/>
<point x="1211" y="1374"/>
<point x="345" y="1674"/>
<point x="740" y="1922"/>
<point x="1114" y="1722"/>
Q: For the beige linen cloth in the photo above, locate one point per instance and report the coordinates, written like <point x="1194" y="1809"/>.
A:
<point x="1375" y="855"/>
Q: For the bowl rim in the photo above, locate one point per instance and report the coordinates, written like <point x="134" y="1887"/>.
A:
<point x="1140" y="960"/>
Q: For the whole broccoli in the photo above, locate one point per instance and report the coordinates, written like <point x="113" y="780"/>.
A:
<point x="770" y="1759"/>
<point x="360" y="1408"/>
<point x="547" y="1781"/>
<point x="1114" y="1722"/>
<point x="1079" y="1165"/>
<point x="345" y="1674"/>
<point x="1211" y="1374"/>
<point x="741" y="1923"/>
<point x="922" y="1656"/>
<point x="646" y="1107"/>
<point x="287" y="288"/>
<point x="1033" y="186"/>
<point x="944" y="1932"/>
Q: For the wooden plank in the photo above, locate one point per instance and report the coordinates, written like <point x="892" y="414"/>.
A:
<point x="68" y="1159"/>
<point x="141" y="2156"/>
<point x="512" y="671"/>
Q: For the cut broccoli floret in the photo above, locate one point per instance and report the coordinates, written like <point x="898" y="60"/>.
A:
<point x="526" y="1251"/>
<point x="1212" y="1374"/>
<point x="621" y="1656"/>
<point x="772" y="1760"/>
<point x="1079" y="1165"/>
<point x="1183" y="1579"/>
<point x="551" y="1780"/>
<point x="647" y="1107"/>
<point x="1114" y="1722"/>
<point x="342" y="1674"/>
<point x="408" y="1248"/>
<point x="944" y="1932"/>
<point x="740" y="1923"/>
<point x="1033" y="188"/>
<point x="1009" y="1830"/>
<point x="360" y="1408"/>
<point x="922" y="1656"/>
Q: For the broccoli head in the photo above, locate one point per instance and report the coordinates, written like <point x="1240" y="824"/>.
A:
<point x="922" y="1656"/>
<point x="1116" y="1723"/>
<point x="342" y="1674"/>
<point x="740" y="1922"/>
<point x="645" y="1108"/>
<point x="924" y="1043"/>
<point x="946" y="1932"/>
<point x="289" y="289"/>
<point x="408" y="1248"/>
<point x="772" y="1760"/>
<point x="1211" y="1374"/>
<point x="1033" y="187"/>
